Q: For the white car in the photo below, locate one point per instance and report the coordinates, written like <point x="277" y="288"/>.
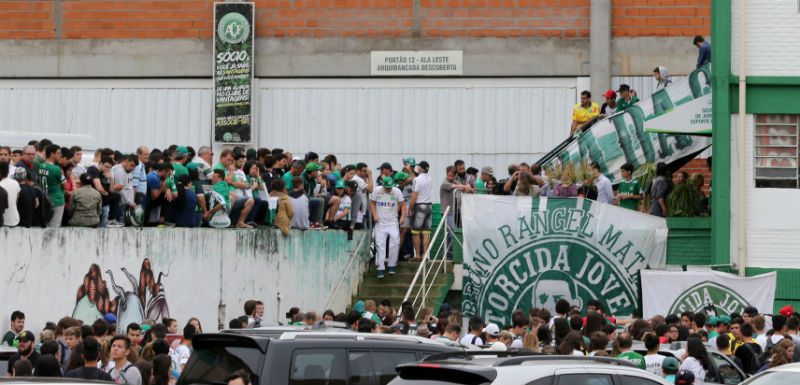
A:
<point x="510" y="368"/>
<point x="788" y="374"/>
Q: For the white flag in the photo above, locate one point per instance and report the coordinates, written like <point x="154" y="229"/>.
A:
<point x="673" y="292"/>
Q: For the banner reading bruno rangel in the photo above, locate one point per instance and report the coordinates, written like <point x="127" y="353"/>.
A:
<point x="233" y="72"/>
<point x="523" y="252"/>
<point x="673" y="292"/>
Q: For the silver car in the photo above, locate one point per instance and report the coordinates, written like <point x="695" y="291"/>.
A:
<point x="510" y="368"/>
<point x="781" y="375"/>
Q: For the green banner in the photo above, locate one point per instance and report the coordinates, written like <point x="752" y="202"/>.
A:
<point x="233" y="72"/>
<point x="523" y="252"/>
<point x="627" y="137"/>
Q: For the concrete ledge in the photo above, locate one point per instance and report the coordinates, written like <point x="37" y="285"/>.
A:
<point x="333" y="57"/>
<point x="207" y="273"/>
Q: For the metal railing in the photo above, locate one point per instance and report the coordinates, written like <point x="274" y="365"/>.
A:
<point x="347" y="270"/>
<point x="436" y="265"/>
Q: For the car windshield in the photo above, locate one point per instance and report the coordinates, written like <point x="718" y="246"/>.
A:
<point x="776" y="378"/>
<point x="214" y="364"/>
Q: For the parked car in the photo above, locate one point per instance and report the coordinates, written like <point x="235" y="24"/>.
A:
<point x="722" y="370"/>
<point x="781" y="375"/>
<point x="305" y="358"/>
<point x="517" y="368"/>
<point x="5" y="354"/>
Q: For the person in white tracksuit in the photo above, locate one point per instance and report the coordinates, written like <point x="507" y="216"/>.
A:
<point x="384" y="202"/>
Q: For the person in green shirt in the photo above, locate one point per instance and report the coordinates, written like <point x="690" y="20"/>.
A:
<point x="627" y="97"/>
<point x="52" y="180"/>
<point x="296" y="170"/>
<point x="625" y="342"/>
<point x="179" y="165"/>
<point x="480" y="184"/>
<point x="629" y="191"/>
<point x="17" y="326"/>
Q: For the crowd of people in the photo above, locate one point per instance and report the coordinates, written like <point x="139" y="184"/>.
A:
<point x="150" y="353"/>
<point x="156" y="352"/>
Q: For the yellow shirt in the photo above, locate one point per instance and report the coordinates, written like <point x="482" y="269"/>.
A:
<point x="583" y="115"/>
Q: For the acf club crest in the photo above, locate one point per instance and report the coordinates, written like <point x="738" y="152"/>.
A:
<point x="233" y="28"/>
<point x="532" y="252"/>
<point x="708" y="295"/>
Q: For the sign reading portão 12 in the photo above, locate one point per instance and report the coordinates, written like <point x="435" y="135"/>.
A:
<point x="530" y="252"/>
<point x="233" y="72"/>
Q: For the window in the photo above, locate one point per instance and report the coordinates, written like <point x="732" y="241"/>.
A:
<point x="776" y="151"/>
<point x="385" y="362"/>
<point x="633" y="380"/>
<point x="360" y="368"/>
<point x="584" y="379"/>
<point x="727" y="370"/>
<point x="317" y="367"/>
<point x="542" y="381"/>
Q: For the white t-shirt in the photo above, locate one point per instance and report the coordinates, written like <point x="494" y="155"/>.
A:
<point x="605" y="193"/>
<point x="469" y="338"/>
<point x="693" y="365"/>
<point x="124" y="178"/>
<point x="423" y="186"/>
<point x="517" y="343"/>
<point x="497" y="347"/>
<point x="387" y="204"/>
<point x="653" y="363"/>
<point x="239" y="176"/>
<point x="182" y="353"/>
<point x="362" y="191"/>
<point x="344" y="204"/>
<point x="762" y="340"/>
<point x="11" y="215"/>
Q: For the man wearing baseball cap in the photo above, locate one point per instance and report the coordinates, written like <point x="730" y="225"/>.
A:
<point x="384" y="203"/>
<point x="25" y="350"/>
<point x="487" y="173"/>
<point x="669" y="368"/>
<point x="610" y="106"/>
<point x="492" y="333"/>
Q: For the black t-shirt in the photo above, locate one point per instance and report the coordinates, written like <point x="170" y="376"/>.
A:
<point x="3" y="203"/>
<point x="26" y="205"/>
<point x="95" y="173"/>
<point x="16" y="357"/>
<point x="748" y="353"/>
<point x="89" y="374"/>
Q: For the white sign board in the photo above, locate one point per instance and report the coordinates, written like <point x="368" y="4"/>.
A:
<point x="417" y="63"/>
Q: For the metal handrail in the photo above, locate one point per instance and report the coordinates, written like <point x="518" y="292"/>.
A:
<point x="346" y="270"/>
<point x="422" y="266"/>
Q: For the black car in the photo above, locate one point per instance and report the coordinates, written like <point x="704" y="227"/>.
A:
<point x="305" y="358"/>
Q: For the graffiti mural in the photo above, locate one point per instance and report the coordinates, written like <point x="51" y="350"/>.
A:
<point x="135" y="300"/>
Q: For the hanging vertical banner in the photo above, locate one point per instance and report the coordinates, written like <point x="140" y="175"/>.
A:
<point x="523" y="252"/>
<point x="233" y="72"/>
<point x="713" y="292"/>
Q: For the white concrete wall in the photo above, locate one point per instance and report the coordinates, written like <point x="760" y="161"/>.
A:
<point x="772" y="29"/>
<point x="771" y="214"/>
<point x="44" y="268"/>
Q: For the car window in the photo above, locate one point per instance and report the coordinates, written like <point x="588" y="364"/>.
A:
<point x="727" y="370"/>
<point x="585" y="379"/>
<point x="215" y="363"/>
<point x="542" y="381"/>
<point x="317" y="367"/>
<point x="776" y="378"/>
<point x="384" y="363"/>
<point x="633" y="380"/>
<point x="360" y="368"/>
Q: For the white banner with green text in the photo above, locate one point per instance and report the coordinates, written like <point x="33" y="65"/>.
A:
<point x="713" y="292"/>
<point x="524" y="252"/>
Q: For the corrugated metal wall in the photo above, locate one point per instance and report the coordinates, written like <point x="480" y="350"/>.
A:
<point x="485" y="123"/>
<point x="121" y="114"/>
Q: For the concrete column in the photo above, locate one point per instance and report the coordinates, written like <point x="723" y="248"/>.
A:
<point x="600" y="48"/>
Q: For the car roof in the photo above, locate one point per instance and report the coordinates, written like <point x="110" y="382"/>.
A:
<point x="795" y="367"/>
<point x="318" y="335"/>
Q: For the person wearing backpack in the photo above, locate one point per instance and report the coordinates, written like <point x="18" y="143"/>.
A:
<point x="123" y="372"/>
<point x="475" y="332"/>
<point x="748" y="351"/>
<point x="89" y="371"/>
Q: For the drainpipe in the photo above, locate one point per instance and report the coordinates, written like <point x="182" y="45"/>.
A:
<point x="741" y="133"/>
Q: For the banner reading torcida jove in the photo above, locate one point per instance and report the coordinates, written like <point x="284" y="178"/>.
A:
<point x="233" y="72"/>
<point x="523" y="252"/>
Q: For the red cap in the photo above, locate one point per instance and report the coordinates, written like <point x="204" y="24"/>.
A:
<point x="610" y="94"/>
<point x="787" y="310"/>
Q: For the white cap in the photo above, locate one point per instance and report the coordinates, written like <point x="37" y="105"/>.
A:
<point x="492" y="330"/>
